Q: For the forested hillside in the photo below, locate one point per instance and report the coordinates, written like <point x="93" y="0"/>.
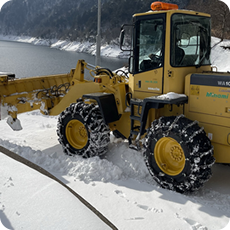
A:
<point x="77" y="20"/>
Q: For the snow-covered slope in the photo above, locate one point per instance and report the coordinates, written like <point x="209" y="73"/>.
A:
<point x="111" y="50"/>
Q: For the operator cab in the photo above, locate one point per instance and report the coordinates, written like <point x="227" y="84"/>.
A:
<point x="166" y="43"/>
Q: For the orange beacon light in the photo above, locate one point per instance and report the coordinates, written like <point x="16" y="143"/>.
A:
<point x="163" y="6"/>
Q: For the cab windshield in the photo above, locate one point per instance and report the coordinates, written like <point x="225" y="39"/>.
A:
<point x="190" y="40"/>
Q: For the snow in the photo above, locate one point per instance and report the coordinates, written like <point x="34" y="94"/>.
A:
<point x="220" y="60"/>
<point x="171" y="95"/>
<point x="118" y="185"/>
<point x="39" y="202"/>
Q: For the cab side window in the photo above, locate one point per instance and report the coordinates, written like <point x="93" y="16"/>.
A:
<point x="190" y="40"/>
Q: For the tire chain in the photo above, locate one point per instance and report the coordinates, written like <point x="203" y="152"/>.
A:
<point x="99" y="131"/>
<point x="201" y="154"/>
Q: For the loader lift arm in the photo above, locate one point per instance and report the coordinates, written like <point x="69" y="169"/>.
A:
<point x="52" y="94"/>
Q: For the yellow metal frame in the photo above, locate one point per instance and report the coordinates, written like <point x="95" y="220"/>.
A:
<point x="212" y="114"/>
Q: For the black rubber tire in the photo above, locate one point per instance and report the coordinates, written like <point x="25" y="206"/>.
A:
<point x="197" y="148"/>
<point x="98" y="132"/>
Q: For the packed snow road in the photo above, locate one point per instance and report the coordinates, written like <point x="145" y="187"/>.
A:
<point x="119" y="185"/>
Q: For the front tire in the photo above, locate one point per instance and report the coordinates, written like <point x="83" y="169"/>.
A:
<point x="178" y="154"/>
<point x="82" y="131"/>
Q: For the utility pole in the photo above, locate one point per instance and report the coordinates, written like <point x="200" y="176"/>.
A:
<point x="98" y="37"/>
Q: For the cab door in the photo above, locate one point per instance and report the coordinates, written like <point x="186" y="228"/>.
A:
<point x="147" y="62"/>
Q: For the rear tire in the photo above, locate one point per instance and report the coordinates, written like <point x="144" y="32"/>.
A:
<point x="178" y="154"/>
<point x="82" y="131"/>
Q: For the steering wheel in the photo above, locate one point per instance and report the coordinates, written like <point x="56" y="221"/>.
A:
<point x="156" y="59"/>
<point x="154" y="62"/>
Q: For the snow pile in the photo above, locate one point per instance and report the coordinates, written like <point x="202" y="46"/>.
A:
<point x="87" y="170"/>
<point x="171" y="95"/>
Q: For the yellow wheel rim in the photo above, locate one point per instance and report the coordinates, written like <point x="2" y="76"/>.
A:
<point x="169" y="156"/>
<point x="76" y="134"/>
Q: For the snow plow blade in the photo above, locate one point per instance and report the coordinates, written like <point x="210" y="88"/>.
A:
<point x="15" y="124"/>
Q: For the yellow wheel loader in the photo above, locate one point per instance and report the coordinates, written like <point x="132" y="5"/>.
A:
<point x="172" y="103"/>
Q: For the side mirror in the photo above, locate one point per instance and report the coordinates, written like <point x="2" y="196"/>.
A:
<point x="126" y="40"/>
<point x="121" y="38"/>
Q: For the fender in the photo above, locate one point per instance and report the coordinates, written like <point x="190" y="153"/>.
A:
<point x="107" y="105"/>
